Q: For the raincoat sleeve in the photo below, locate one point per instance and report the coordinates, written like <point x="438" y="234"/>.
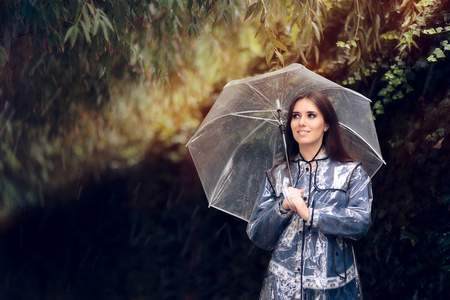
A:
<point x="348" y="215"/>
<point x="268" y="218"/>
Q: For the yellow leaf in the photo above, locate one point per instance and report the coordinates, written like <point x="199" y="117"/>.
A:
<point x="278" y="44"/>
<point x="280" y="57"/>
<point x="294" y="33"/>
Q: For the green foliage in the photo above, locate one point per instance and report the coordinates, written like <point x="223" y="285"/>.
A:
<point x="86" y="87"/>
<point x="410" y="214"/>
<point x="302" y="21"/>
<point x="439" y="52"/>
<point x="397" y="79"/>
<point x="363" y="31"/>
<point x="90" y="20"/>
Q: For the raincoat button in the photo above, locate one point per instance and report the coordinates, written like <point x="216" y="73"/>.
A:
<point x="305" y="198"/>
<point x="307" y="169"/>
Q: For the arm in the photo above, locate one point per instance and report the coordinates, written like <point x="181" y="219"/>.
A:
<point x="268" y="218"/>
<point x="350" y="220"/>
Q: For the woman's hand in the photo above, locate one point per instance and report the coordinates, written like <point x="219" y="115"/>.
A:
<point x="294" y="201"/>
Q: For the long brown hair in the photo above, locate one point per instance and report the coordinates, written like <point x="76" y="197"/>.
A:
<point x="332" y="138"/>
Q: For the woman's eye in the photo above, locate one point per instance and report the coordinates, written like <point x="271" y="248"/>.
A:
<point x="311" y="116"/>
<point x="295" y="116"/>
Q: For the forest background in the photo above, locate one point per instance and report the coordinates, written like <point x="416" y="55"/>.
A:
<point x="99" y="196"/>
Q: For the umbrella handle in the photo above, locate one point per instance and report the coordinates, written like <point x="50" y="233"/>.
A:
<point x="283" y="135"/>
<point x="288" y="164"/>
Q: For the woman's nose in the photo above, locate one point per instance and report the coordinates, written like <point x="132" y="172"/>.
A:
<point x="301" y="121"/>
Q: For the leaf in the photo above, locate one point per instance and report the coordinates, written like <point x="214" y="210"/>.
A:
<point x="429" y="31"/>
<point x="269" y="53"/>
<point x="108" y="23"/>
<point x="307" y="34"/>
<point x="439" y="53"/>
<point x="366" y="72"/>
<point x="342" y="45"/>
<point x="96" y="25"/>
<point x="294" y="33"/>
<point x="86" y="31"/>
<point x="398" y="95"/>
<point x="302" y="55"/>
<point x="69" y="33"/>
<point x="91" y="9"/>
<point x="74" y="35"/>
<point x="251" y="11"/>
<point x="390" y="35"/>
<point x="406" y="22"/>
<point x="180" y="4"/>
<point x="278" y="44"/>
<point x="316" y="31"/>
<point x="425" y="3"/>
<point x="280" y="57"/>
<point x="105" y="30"/>
<point x="316" y="53"/>
<point x="86" y="17"/>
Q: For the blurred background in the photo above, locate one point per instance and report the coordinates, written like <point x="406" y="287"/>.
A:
<point x="99" y="198"/>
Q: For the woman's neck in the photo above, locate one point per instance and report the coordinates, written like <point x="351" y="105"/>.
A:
<point x="309" y="153"/>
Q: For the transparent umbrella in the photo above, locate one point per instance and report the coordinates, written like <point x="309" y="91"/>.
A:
<point x="240" y="139"/>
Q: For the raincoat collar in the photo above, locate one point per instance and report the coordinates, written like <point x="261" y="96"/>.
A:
<point x="322" y="154"/>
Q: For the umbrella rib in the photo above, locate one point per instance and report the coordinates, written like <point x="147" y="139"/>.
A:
<point x="262" y="97"/>
<point x="230" y="158"/>
<point x="284" y="84"/>
<point x="346" y="89"/>
<point x="256" y="118"/>
<point x="363" y="140"/>
<point x="243" y="116"/>
<point x="228" y="212"/>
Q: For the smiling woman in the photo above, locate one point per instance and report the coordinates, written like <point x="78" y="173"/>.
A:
<point x="308" y="127"/>
<point x="318" y="111"/>
<point x="310" y="225"/>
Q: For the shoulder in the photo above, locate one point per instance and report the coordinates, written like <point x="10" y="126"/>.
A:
<point x="345" y="166"/>
<point x="338" y="175"/>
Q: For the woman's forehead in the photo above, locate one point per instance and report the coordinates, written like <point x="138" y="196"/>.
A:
<point x="305" y="104"/>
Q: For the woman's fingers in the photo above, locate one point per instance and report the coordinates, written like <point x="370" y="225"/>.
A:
<point x="292" y="197"/>
<point x="291" y="204"/>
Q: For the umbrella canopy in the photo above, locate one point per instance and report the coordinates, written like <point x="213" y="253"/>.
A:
<point x="239" y="139"/>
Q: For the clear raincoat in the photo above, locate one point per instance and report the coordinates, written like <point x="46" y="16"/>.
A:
<point x="313" y="259"/>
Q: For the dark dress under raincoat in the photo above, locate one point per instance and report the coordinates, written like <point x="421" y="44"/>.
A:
<point x="313" y="259"/>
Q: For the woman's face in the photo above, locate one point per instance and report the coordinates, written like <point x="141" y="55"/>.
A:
<point x="307" y="124"/>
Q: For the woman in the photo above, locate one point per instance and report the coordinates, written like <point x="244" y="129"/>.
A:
<point x="310" y="227"/>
